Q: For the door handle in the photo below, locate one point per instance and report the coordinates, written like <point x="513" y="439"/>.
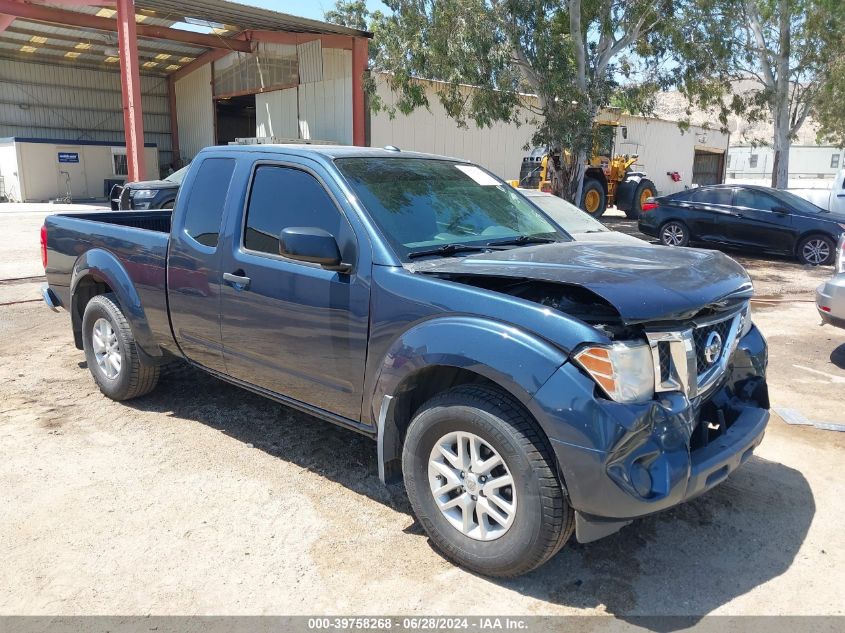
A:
<point x="237" y="280"/>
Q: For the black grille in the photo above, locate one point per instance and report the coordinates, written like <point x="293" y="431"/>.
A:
<point x="663" y="351"/>
<point x="700" y="336"/>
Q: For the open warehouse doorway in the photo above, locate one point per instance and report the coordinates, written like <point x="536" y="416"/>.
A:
<point x="234" y="118"/>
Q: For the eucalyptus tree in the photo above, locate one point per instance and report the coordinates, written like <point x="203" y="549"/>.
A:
<point x="572" y="56"/>
<point x="761" y="59"/>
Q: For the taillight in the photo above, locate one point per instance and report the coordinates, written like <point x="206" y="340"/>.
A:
<point x="649" y="204"/>
<point x="44" y="246"/>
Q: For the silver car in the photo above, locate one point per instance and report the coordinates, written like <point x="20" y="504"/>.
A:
<point x="830" y="296"/>
<point x="580" y="225"/>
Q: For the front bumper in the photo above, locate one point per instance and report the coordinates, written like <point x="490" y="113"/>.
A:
<point x="830" y="301"/>
<point x="623" y="461"/>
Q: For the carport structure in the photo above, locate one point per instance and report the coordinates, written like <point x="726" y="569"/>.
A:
<point x="268" y="52"/>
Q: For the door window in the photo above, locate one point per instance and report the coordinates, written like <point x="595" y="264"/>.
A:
<point x="284" y="197"/>
<point x="751" y="199"/>
<point x="719" y="195"/>
<point x="204" y="208"/>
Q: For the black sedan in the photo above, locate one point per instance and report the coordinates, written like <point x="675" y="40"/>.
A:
<point x="746" y="217"/>
<point x="148" y="194"/>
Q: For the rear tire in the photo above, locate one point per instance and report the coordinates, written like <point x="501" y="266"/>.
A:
<point x="111" y="353"/>
<point x="816" y="250"/>
<point x="528" y="521"/>
<point x="645" y="190"/>
<point x="593" y="198"/>
<point x="674" y="233"/>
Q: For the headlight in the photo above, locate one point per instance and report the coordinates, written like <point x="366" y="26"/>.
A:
<point x="624" y="370"/>
<point x="746" y="323"/>
<point x="141" y="194"/>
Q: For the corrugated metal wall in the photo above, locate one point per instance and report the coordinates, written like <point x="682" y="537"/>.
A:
<point x="319" y="110"/>
<point x="663" y="147"/>
<point x="62" y="102"/>
<point x="325" y="107"/>
<point x="195" y="112"/>
<point x="499" y="148"/>
<point x="276" y="114"/>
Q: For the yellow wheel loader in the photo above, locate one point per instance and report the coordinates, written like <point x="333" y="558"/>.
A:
<point x="608" y="180"/>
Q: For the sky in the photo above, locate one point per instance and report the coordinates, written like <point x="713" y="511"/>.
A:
<point x="305" y="8"/>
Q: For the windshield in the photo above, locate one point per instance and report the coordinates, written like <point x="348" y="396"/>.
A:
<point x="796" y="202"/>
<point x="423" y="203"/>
<point x="178" y="175"/>
<point x="568" y="216"/>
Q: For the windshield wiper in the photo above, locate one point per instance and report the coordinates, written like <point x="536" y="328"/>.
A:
<point x="522" y="239"/>
<point x="447" y="249"/>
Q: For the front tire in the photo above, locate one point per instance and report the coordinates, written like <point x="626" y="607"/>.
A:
<point x="111" y="353"/>
<point x="674" y="233"/>
<point x="483" y="483"/>
<point x="816" y="250"/>
<point x="645" y="190"/>
<point x="593" y="198"/>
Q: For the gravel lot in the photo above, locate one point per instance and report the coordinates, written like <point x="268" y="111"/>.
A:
<point x="204" y="499"/>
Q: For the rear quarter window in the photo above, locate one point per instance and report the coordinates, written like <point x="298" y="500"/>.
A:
<point x="204" y="208"/>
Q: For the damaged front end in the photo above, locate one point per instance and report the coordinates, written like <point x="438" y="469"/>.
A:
<point x="661" y="412"/>
<point x="706" y="414"/>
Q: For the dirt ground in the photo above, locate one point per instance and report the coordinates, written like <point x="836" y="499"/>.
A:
<point x="204" y="499"/>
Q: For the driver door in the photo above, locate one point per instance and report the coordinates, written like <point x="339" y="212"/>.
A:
<point x="290" y="327"/>
<point x="762" y="221"/>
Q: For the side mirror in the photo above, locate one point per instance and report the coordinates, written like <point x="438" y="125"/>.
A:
<point x="780" y="210"/>
<point x="313" y="245"/>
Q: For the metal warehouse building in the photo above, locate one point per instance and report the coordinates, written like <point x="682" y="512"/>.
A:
<point x="93" y="91"/>
<point x="672" y="157"/>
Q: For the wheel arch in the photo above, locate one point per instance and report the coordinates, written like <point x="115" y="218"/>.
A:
<point x="98" y="272"/>
<point x="597" y="173"/>
<point x="424" y="362"/>
<point x="810" y="233"/>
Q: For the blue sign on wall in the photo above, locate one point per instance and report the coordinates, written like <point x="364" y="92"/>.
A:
<point x="68" y="157"/>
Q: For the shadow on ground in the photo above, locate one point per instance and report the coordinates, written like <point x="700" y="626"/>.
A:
<point x="837" y="356"/>
<point x="686" y="561"/>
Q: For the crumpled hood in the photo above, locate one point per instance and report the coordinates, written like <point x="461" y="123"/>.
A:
<point x="643" y="283"/>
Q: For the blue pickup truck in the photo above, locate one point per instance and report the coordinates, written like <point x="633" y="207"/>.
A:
<point x="524" y="386"/>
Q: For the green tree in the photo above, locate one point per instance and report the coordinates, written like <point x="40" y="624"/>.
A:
<point x="351" y="13"/>
<point x="829" y="109"/>
<point x="761" y="59"/>
<point x="568" y="53"/>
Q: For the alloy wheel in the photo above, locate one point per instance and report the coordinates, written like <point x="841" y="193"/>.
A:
<point x="815" y="252"/>
<point x="106" y="348"/>
<point x="472" y="486"/>
<point x="673" y="235"/>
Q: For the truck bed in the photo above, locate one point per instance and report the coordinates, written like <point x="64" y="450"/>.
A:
<point x="148" y="220"/>
<point x="96" y="244"/>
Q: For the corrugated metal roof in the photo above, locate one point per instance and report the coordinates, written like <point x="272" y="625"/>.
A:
<point x="27" y="40"/>
<point x="56" y="44"/>
<point x="246" y="17"/>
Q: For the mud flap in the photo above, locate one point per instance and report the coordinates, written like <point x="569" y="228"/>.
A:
<point x="589" y="529"/>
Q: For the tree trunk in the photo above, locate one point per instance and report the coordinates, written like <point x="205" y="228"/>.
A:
<point x="576" y="177"/>
<point x="780" y="109"/>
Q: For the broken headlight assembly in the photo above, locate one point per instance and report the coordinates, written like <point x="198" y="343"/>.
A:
<point x="623" y="370"/>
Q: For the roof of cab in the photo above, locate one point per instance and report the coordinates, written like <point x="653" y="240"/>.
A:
<point x="324" y="151"/>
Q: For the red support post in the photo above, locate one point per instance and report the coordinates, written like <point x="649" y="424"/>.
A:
<point x="174" y="122"/>
<point x="130" y="85"/>
<point x="359" y="67"/>
<point x="5" y="21"/>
